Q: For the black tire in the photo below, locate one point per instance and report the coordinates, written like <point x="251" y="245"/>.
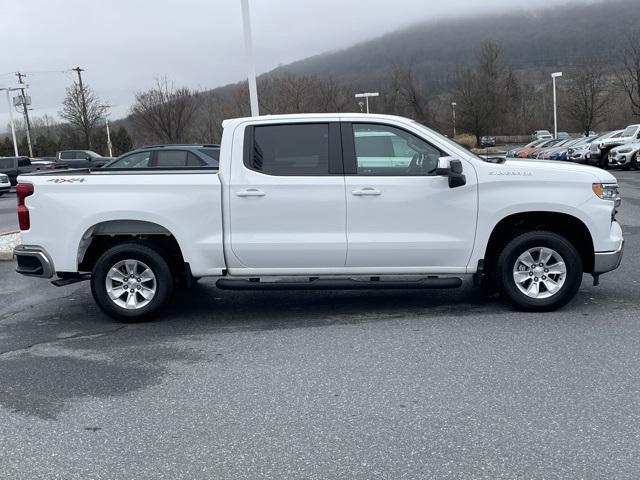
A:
<point x="539" y="239"/>
<point x="163" y="282"/>
<point x="633" y="164"/>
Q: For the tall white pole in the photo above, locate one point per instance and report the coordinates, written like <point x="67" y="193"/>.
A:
<point x="108" y="137"/>
<point x="555" y="110"/>
<point x="13" y="128"/>
<point x="367" y="98"/>
<point x="555" y="103"/>
<point x="251" y="68"/>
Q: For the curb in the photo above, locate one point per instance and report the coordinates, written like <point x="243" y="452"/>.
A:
<point x="8" y="241"/>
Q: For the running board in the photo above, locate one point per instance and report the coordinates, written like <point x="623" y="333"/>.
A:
<point x="340" y="284"/>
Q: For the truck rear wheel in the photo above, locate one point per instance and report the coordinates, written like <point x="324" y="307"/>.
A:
<point x="539" y="271"/>
<point x="131" y="282"/>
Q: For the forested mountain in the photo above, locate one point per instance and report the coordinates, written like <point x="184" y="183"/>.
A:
<point x="531" y="40"/>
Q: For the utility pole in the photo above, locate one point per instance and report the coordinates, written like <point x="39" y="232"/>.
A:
<point x="10" y="107"/>
<point x="25" y="111"/>
<point x="79" y="71"/>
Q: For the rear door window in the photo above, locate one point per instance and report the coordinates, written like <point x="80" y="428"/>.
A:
<point x="6" y="163"/>
<point x="290" y="150"/>
<point x="67" y="155"/>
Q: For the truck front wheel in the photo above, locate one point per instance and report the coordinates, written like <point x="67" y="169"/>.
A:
<point x="131" y="282"/>
<point x="539" y="271"/>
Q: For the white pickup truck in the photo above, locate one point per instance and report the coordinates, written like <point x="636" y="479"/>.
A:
<point x="317" y="201"/>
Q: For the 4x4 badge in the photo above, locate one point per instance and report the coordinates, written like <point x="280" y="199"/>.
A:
<point x="66" y="180"/>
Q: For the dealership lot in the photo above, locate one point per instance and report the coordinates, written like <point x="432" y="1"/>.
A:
<point x="324" y="384"/>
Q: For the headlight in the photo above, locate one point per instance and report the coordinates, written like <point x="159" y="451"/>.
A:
<point x="625" y="150"/>
<point x="607" y="191"/>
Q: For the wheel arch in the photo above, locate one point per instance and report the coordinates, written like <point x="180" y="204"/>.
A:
<point x="103" y="235"/>
<point x="566" y="225"/>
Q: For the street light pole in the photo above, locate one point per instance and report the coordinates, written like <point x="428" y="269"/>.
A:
<point x="106" y="120"/>
<point x="366" y="96"/>
<point x="555" y="103"/>
<point x="251" y="68"/>
<point x="453" y="106"/>
<point x="13" y="128"/>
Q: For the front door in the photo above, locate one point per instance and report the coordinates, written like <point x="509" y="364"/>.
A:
<point x="287" y="198"/>
<point x="400" y="214"/>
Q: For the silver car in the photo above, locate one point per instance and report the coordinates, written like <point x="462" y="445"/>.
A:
<point x="5" y="184"/>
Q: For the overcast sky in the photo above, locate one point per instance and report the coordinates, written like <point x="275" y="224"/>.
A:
<point x="124" y="44"/>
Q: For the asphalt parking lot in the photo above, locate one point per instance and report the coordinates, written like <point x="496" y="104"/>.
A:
<point x="323" y="385"/>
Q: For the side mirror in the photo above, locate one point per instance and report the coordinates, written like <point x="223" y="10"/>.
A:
<point x="452" y="168"/>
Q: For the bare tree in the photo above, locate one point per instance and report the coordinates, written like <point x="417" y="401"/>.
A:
<point x="479" y="92"/>
<point x="164" y="112"/>
<point x="83" y="110"/>
<point x="405" y="97"/>
<point x="629" y="76"/>
<point x="588" y="98"/>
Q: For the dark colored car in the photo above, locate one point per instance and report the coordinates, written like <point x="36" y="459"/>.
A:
<point x="487" y="141"/>
<point x="169" y="156"/>
<point x="81" y="159"/>
<point x="15" y="166"/>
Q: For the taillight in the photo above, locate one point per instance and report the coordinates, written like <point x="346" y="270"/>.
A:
<point x="23" y="190"/>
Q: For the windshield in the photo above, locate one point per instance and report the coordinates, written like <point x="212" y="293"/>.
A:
<point x="630" y="131"/>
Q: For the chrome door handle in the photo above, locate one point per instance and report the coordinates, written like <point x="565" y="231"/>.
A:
<point x="251" y="192"/>
<point x="366" y="192"/>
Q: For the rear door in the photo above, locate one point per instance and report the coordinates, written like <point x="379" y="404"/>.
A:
<point x="400" y="214"/>
<point x="287" y="198"/>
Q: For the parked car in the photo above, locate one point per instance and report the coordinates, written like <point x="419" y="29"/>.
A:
<point x="561" y="152"/>
<point x="628" y="135"/>
<point x="46" y="163"/>
<point x="542" y="135"/>
<point x="81" y="159"/>
<point x="15" y="166"/>
<point x="544" y="153"/>
<point x="168" y="156"/>
<point x="529" y="153"/>
<point x="580" y="152"/>
<point x="487" y="142"/>
<point x="625" y="156"/>
<point x="514" y="152"/>
<point x="292" y="206"/>
<point x="5" y="184"/>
